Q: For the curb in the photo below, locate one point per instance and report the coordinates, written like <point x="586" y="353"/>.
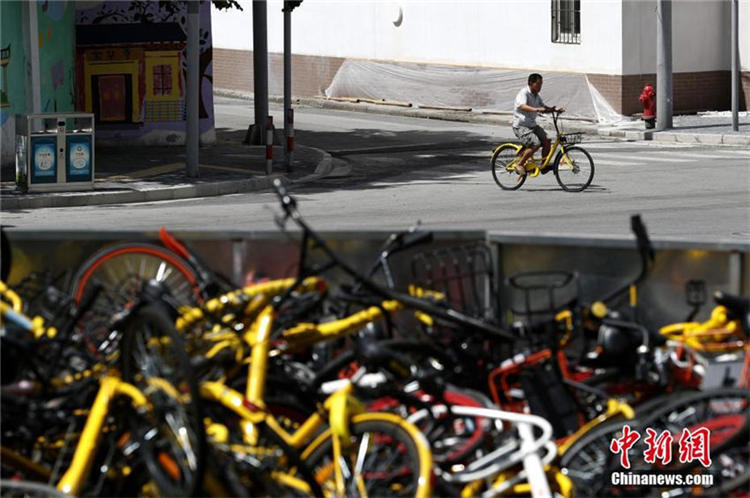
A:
<point x="682" y="138"/>
<point x="323" y="168"/>
<point x="462" y="115"/>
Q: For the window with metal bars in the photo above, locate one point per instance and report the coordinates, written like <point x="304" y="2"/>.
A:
<point x="566" y="21"/>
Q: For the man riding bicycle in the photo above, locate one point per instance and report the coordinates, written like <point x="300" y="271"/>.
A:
<point x="527" y="104"/>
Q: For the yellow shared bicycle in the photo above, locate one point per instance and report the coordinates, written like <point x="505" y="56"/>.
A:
<point x="573" y="165"/>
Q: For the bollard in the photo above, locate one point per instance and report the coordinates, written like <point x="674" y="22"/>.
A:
<point x="290" y="140"/>
<point x="269" y="145"/>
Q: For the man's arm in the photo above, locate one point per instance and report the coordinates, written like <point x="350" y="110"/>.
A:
<point x="528" y="108"/>
<point x="544" y="108"/>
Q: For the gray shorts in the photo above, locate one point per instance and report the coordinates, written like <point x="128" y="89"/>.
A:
<point x="530" y="137"/>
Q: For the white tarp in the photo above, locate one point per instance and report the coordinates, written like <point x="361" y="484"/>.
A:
<point x="480" y="89"/>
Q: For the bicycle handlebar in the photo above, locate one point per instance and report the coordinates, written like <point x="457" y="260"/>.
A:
<point x="289" y="204"/>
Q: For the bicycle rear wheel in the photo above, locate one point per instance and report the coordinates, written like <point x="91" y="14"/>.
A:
<point x="386" y="456"/>
<point x="121" y="270"/>
<point x="574" y="169"/>
<point x="124" y="267"/>
<point x="503" y="169"/>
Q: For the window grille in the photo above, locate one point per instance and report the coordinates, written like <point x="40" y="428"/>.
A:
<point x="566" y="21"/>
<point x="162" y="79"/>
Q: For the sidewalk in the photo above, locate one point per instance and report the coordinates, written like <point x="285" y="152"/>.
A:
<point x="157" y="173"/>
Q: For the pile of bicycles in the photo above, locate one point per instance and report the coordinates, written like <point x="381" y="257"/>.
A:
<point x="153" y="376"/>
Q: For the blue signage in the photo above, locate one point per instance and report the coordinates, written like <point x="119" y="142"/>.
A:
<point x="43" y="159"/>
<point x="79" y="158"/>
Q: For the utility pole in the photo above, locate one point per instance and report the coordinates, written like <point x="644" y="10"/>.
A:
<point x="735" y="67"/>
<point x="32" y="32"/>
<point x="288" y="130"/>
<point x="192" y="97"/>
<point x="663" y="64"/>
<point x="256" y="132"/>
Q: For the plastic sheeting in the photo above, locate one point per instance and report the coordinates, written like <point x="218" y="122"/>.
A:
<point x="477" y="88"/>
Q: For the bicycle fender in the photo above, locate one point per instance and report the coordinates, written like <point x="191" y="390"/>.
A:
<point x="342" y="407"/>
<point x="556" y="160"/>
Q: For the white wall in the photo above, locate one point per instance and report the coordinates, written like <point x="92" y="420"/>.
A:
<point x="700" y="35"/>
<point x="617" y="36"/>
<point x="744" y="35"/>
<point x="499" y="33"/>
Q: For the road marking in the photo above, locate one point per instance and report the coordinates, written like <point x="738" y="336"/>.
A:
<point x="144" y="173"/>
<point x="743" y="153"/>
<point x="643" y="158"/>
<point x="605" y="162"/>
<point x="700" y="155"/>
<point x="229" y="168"/>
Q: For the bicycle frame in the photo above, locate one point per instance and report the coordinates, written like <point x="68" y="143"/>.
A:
<point x="110" y="387"/>
<point x="553" y="148"/>
<point x="338" y="410"/>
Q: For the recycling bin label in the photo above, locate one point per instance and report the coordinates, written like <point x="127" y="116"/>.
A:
<point x="43" y="159"/>
<point x="79" y="158"/>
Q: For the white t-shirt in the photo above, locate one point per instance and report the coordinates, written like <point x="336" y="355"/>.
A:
<point x="523" y="118"/>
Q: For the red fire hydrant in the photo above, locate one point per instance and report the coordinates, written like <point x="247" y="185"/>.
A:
<point x="648" y="101"/>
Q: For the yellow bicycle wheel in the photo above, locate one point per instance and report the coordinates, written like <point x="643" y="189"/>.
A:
<point x="574" y="169"/>
<point x="503" y="167"/>
<point x="385" y="456"/>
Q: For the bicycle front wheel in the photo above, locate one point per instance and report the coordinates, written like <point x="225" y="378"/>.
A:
<point x="386" y="456"/>
<point x="171" y="434"/>
<point x="503" y="167"/>
<point x="574" y="169"/>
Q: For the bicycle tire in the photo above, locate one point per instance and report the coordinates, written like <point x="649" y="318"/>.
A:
<point x="506" y="179"/>
<point x="175" y="454"/>
<point x="590" y="454"/>
<point x="408" y="462"/>
<point x="28" y="489"/>
<point x="593" y="448"/>
<point x="186" y="289"/>
<point x="569" y="178"/>
<point x="457" y="436"/>
<point x="701" y="413"/>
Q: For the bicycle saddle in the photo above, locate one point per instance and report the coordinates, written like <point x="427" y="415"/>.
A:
<point x="737" y="306"/>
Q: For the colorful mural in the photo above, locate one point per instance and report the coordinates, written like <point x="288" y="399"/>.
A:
<point x="57" y="40"/>
<point x="130" y="61"/>
<point x="13" y="89"/>
<point x="56" y="36"/>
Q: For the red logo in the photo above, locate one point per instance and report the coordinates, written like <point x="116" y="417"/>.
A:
<point x="694" y="445"/>
<point x="659" y="448"/>
<point x="623" y="444"/>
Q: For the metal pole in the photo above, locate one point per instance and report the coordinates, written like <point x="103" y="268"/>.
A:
<point x="269" y="145"/>
<point x="287" y="85"/>
<point x="735" y="67"/>
<point x="260" y="73"/>
<point x="36" y="86"/>
<point x="663" y="64"/>
<point x="192" y="132"/>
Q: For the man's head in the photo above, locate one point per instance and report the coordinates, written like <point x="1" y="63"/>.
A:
<point x="535" y="82"/>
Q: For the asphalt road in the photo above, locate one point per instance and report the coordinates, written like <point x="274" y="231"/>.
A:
<point x="406" y="169"/>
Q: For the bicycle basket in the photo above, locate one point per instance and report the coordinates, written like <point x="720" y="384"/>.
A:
<point x="572" y="138"/>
